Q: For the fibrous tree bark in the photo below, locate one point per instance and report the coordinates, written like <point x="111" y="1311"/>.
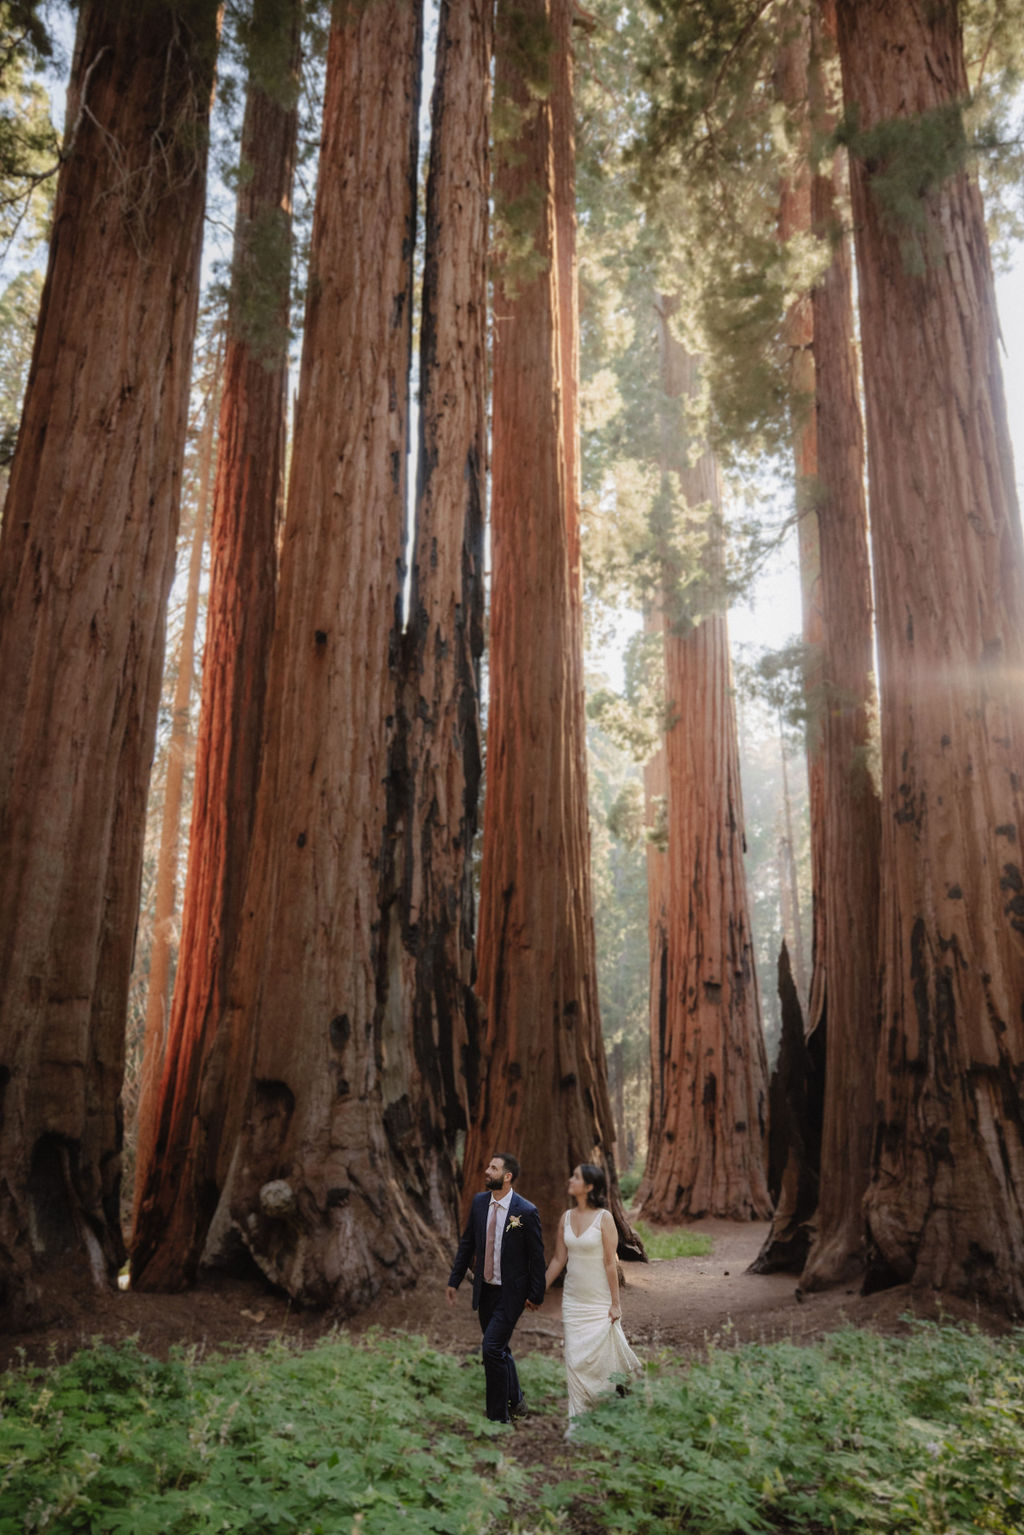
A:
<point x="158" y="993"/>
<point x="945" y="1203"/>
<point x="852" y="811"/>
<point x="324" y="1190"/>
<point x="709" y="1072"/>
<point x="710" y="1076"/>
<point x="436" y="755"/>
<point x="86" y="558"/>
<point x="544" y="1090"/>
<point x="179" y="1182"/>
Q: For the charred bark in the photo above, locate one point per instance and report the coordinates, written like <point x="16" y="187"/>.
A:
<point x="795" y="1099"/>
<point x="86" y="559"/>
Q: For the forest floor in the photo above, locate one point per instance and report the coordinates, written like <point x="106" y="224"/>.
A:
<point x="671" y="1308"/>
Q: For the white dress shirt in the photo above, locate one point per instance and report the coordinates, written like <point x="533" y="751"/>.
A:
<point x="499" y="1229"/>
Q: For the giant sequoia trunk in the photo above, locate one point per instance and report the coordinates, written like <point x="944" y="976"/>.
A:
<point x="436" y="760"/>
<point x="852" y="812"/>
<point x="325" y="1189"/>
<point x="709" y="1073"/>
<point x="178" y="1185"/>
<point x="86" y="558"/>
<point x="544" y="1092"/>
<point x="946" y="1200"/>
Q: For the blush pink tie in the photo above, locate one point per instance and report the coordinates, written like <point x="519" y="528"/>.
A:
<point x="492" y="1223"/>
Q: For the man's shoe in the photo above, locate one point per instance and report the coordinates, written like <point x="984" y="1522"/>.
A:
<point x="520" y="1409"/>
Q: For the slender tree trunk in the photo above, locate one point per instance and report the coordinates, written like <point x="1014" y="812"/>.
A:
<point x="159" y="989"/>
<point x="852" y="811"/>
<point x="321" y="1190"/>
<point x="946" y="1200"/>
<point x="792" y="912"/>
<point x="706" y="1152"/>
<point x="86" y="559"/>
<point x="794" y="222"/>
<point x="436" y="757"/>
<point x="544" y="1088"/>
<point x="656" y="821"/>
<point x="179" y="1184"/>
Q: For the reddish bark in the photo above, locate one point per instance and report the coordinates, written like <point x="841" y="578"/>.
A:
<point x="86" y="559"/>
<point x="320" y="1188"/>
<point x="794" y="222"/>
<point x="706" y="1151"/>
<point x="946" y="1200"/>
<point x="852" y="811"/>
<point x="436" y="757"/>
<point x="165" y="903"/>
<point x="177" y="1186"/>
<point x="544" y="1090"/>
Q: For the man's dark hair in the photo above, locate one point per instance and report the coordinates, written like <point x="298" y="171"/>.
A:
<point x="511" y="1163"/>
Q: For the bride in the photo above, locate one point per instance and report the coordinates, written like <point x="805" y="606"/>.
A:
<point x="595" y="1345"/>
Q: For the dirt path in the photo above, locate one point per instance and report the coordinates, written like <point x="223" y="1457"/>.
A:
<point x="676" y="1305"/>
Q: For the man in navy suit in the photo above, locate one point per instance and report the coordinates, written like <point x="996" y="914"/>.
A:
<point x="503" y="1245"/>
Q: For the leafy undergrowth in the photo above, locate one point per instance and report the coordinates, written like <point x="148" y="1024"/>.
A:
<point x="921" y="1434"/>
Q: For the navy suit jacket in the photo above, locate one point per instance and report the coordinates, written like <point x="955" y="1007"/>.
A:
<point x="522" y="1252"/>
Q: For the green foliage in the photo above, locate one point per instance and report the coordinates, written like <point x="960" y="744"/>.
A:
<point x="29" y="150"/>
<point x="922" y="1434"/>
<point x="19" y="310"/>
<point x="386" y="1434"/>
<point x="673" y="1241"/>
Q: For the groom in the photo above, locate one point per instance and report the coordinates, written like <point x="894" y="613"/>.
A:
<point x="503" y="1245"/>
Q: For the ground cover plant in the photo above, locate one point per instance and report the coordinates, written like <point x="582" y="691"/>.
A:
<point x="673" y="1241"/>
<point x="921" y="1434"/>
<point x="383" y="1435"/>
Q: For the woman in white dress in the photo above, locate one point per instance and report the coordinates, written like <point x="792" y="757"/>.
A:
<point x="595" y="1345"/>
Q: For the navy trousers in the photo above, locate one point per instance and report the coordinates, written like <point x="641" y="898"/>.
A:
<point x="498" y="1317"/>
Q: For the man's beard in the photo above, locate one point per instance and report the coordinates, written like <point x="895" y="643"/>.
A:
<point x="493" y="1183"/>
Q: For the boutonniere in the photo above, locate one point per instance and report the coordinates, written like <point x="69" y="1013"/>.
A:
<point x="512" y="1223"/>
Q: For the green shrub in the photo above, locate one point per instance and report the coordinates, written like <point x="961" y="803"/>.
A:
<point x="921" y="1435"/>
<point x="384" y="1434"/>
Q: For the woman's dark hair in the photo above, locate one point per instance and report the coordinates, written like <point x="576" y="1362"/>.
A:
<point x="597" y="1194"/>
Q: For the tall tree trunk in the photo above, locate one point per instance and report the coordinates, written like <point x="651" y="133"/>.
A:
<point x="86" y="559"/>
<point x="181" y="1181"/>
<point x="656" y="822"/>
<point x="852" y="810"/>
<point x="322" y="1191"/>
<point x="946" y="1200"/>
<point x="706" y="1152"/>
<point x="544" y="1088"/>
<point x="794" y="223"/>
<point x="159" y="988"/>
<point x="436" y="757"/>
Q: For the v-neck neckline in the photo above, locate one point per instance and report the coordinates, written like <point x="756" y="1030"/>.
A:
<point x="579" y="1234"/>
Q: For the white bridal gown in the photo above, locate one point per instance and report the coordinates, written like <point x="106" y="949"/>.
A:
<point x="595" y="1348"/>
